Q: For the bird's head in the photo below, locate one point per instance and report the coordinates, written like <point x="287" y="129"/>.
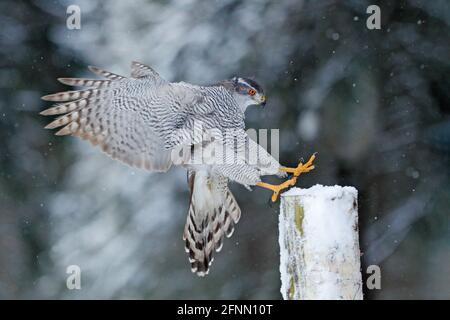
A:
<point x="246" y="92"/>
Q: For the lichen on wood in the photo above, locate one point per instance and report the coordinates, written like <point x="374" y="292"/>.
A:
<point x="299" y="215"/>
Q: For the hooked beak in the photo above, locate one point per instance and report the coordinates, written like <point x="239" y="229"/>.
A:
<point x="262" y="100"/>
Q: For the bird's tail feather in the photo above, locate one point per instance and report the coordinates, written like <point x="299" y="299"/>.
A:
<point x="212" y="215"/>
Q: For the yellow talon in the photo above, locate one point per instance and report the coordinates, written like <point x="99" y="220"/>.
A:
<point x="301" y="168"/>
<point x="276" y="188"/>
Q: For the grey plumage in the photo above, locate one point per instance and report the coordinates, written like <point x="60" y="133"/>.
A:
<point x="212" y="214"/>
<point x="145" y="121"/>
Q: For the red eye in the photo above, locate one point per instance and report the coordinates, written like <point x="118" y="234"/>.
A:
<point x="251" y="92"/>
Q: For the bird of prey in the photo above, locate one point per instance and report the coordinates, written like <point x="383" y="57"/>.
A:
<point x="150" y="123"/>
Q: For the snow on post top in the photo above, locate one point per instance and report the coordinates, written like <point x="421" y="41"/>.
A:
<point x="318" y="190"/>
<point x="329" y="214"/>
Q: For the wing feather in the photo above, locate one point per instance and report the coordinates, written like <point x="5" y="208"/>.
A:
<point x="140" y="70"/>
<point x="118" y="114"/>
<point x="105" y="74"/>
<point x="80" y="82"/>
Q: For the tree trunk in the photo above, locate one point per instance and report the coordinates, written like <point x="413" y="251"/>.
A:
<point x="320" y="257"/>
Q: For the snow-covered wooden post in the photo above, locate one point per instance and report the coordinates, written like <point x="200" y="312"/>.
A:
<point x="320" y="257"/>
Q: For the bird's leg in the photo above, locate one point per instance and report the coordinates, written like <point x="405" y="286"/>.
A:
<point x="276" y="188"/>
<point x="301" y="168"/>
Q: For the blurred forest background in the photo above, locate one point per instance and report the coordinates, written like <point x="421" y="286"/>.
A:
<point x="375" y="104"/>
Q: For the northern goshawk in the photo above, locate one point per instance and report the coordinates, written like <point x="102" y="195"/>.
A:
<point x="150" y="123"/>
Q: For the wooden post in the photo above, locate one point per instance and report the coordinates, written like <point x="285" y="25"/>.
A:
<point x="320" y="257"/>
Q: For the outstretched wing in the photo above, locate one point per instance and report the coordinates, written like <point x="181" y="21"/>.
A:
<point x="117" y="113"/>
